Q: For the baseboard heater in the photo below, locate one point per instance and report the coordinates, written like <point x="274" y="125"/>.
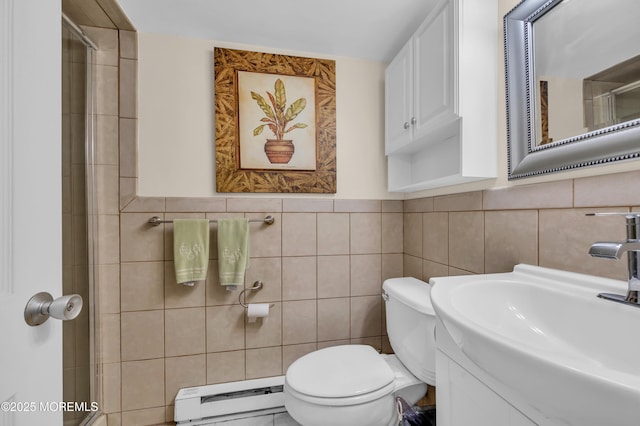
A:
<point x="226" y="401"/>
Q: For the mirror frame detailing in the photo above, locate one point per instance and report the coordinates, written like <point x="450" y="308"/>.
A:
<point x="610" y="144"/>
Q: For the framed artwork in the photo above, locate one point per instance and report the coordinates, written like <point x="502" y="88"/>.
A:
<point x="275" y="123"/>
<point x="268" y="126"/>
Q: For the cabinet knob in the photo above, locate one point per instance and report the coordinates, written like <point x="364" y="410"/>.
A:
<point x="406" y="125"/>
<point x="413" y="121"/>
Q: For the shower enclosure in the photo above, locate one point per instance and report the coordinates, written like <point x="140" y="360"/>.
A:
<point x="81" y="373"/>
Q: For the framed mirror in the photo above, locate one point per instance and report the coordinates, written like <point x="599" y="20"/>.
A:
<point x="572" y="84"/>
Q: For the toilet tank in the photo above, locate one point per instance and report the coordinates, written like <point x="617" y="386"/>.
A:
<point x="411" y="325"/>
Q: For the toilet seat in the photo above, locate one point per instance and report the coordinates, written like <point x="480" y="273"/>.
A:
<point x="342" y="401"/>
<point x="340" y="375"/>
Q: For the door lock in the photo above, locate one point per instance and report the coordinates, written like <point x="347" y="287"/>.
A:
<point x="41" y="306"/>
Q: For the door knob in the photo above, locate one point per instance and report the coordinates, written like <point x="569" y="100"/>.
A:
<point x="41" y="306"/>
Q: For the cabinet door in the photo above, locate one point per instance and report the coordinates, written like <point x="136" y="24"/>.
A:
<point x="464" y="400"/>
<point x="434" y="87"/>
<point x="398" y="100"/>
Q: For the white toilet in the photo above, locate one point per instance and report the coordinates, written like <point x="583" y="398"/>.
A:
<point x="355" y="385"/>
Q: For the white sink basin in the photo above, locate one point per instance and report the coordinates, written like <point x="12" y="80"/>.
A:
<point x="546" y="335"/>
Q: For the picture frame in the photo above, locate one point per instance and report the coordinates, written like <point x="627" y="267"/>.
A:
<point x="275" y="123"/>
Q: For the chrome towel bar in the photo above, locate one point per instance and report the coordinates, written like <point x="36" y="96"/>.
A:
<point x="155" y="220"/>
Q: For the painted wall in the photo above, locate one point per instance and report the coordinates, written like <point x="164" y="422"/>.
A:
<point x="566" y="117"/>
<point x="176" y="121"/>
<point x="175" y="104"/>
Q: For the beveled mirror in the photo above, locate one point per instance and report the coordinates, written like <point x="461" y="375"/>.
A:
<point x="573" y="84"/>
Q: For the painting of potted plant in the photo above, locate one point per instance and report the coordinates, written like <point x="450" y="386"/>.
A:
<point x="282" y="128"/>
<point x="279" y="150"/>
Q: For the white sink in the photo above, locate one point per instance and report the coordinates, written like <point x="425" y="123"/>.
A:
<point x="546" y="335"/>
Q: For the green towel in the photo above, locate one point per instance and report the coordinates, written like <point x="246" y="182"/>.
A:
<point x="233" y="251"/>
<point x="191" y="250"/>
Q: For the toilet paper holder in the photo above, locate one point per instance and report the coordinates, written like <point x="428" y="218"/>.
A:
<point x="256" y="286"/>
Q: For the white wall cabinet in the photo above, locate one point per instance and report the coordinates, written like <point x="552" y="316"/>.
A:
<point x="441" y="99"/>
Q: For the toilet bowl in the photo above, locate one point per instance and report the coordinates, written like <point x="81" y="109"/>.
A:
<point x="354" y="384"/>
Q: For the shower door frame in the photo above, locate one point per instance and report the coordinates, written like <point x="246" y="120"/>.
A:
<point x="94" y="372"/>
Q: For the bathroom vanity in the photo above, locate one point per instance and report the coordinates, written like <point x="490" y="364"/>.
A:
<point x="535" y="346"/>
<point x="467" y="395"/>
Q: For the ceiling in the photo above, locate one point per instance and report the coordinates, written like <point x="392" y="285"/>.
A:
<point x="365" y="29"/>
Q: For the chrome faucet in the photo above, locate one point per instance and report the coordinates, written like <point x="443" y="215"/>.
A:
<point x="614" y="250"/>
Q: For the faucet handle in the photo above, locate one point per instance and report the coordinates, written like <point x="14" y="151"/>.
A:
<point x="628" y="215"/>
<point x="633" y="222"/>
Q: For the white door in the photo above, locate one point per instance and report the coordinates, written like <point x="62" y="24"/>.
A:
<point x="30" y="209"/>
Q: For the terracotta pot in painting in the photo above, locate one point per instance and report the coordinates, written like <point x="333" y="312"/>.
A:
<point x="279" y="151"/>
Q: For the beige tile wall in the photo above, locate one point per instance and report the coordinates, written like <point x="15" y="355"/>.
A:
<point x="326" y="291"/>
<point x="542" y="224"/>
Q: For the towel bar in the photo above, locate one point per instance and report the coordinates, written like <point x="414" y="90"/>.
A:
<point x="155" y="220"/>
<point x="256" y="286"/>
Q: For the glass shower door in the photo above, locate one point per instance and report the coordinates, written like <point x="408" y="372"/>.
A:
<point x="79" y="368"/>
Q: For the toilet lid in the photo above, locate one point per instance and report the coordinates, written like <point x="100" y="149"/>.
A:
<point x="339" y="372"/>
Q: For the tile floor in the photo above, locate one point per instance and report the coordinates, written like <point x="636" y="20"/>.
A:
<point x="277" y="419"/>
